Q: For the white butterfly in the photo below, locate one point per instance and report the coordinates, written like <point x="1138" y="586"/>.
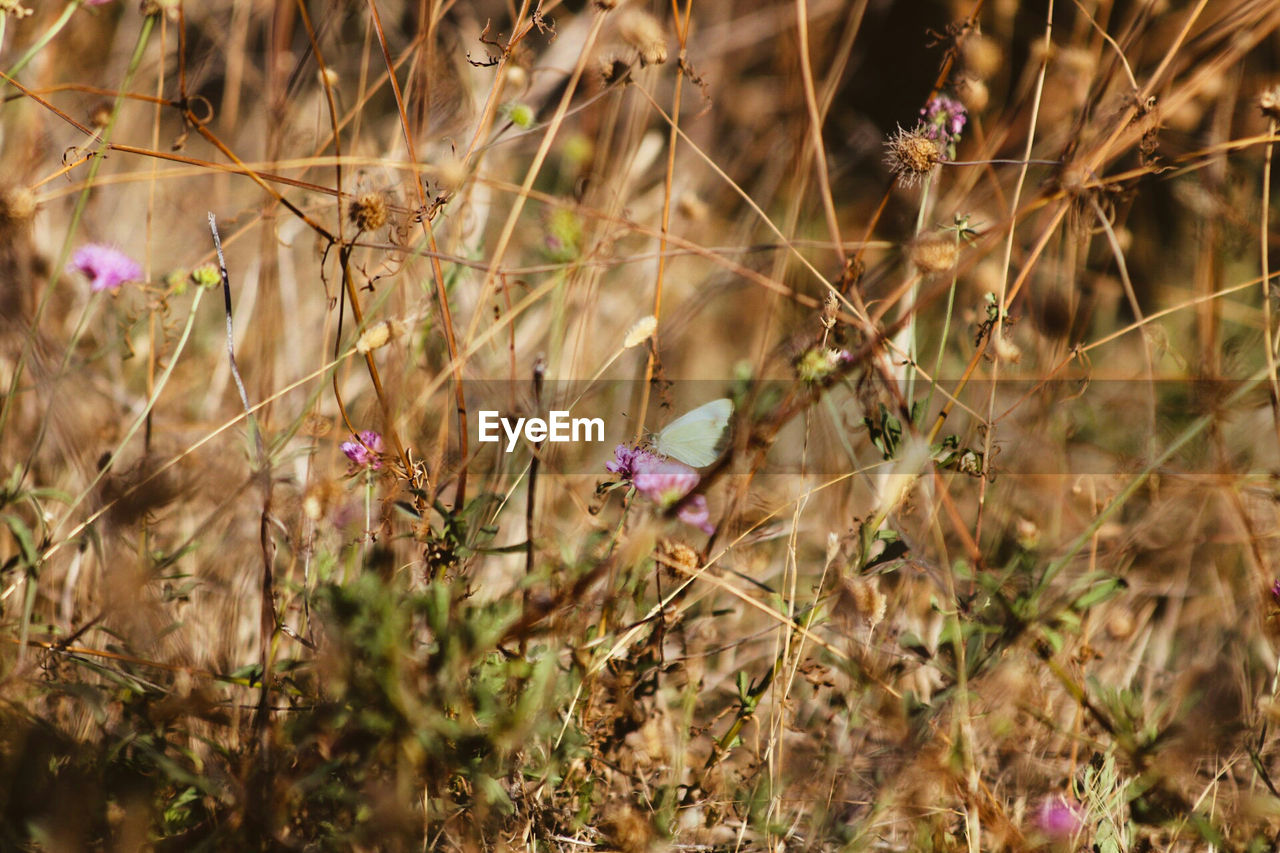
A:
<point x="694" y="437"/>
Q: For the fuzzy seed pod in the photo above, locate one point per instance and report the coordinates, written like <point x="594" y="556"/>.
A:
<point x="981" y="56"/>
<point x="368" y="212"/>
<point x="644" y="32"/>
<point x="934" y="253"/>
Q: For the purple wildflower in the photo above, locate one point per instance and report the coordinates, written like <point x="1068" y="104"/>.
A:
<point x="1275" y="590"/>
<point x="694" y="511"/>
<point x="666" y="482"/>
<point x="365" y="451"/>
<point x="1058" y="818"/>
<point x="943" y="119"/>
<point x="95" y="2"/>
<point x="627" y="461"/>
<point x="108" y="267"/>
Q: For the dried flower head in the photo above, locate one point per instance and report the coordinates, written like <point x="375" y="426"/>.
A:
<point x="681" y="555"/>
<point x="100" y="115"/>
<point x="614" y="69"/>
<point x="1269" y="102"/>
<point x="982" y="56"/>
<point x="644" y="32"/>
<point x="365" y="451"/>
<point x="911" y="156"/>
<point x="640" y="332"/>
<point x="934" y="253"/>
<point x="861" y="601"/>
<point x="17" y="204"/>
<point x="368" y="212"/>
<point x="168" y="8"/>
<point x="14" y="8"/>
<point x="107" y="267"/>
<point x="819" y="363"/>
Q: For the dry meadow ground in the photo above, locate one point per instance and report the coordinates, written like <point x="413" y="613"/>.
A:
<point x="985" y="558"/>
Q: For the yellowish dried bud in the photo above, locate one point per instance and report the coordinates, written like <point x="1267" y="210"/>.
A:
<point x="644" y="32"/>
<point x="516" y="78"/>
<point x="974" y="95"/>
<point x="17" y="204"/>
<point x="982" y="56"/>
<point x="452" y="174"/>
<point x="374" y="337"/>
<point x="691" y="207"/>
<point x="1006" y="350"/>
<point x="328" y="77"/>
<point x="934" y="253"/>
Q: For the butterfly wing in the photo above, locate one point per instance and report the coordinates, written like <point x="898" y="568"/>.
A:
<point x="692" y="438"/>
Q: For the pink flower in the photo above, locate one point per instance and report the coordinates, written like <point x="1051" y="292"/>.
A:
<point x="1058" y="818"/>
<point x="629" y="461"/>
<point x="665" y="482"/>
<point x="365" y="451"/>
<point x="95" y="2"/>
<point x="694" y="511"/>
<point x="109" y="268"/>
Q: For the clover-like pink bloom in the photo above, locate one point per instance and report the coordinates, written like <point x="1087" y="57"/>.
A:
<point x="365" y="451"/>
<point x="106" y="266"/>
<point x="665" y="482"/>
<point x="627" y="461"/>
<point x="1058" y="818"/>
<point x="694" y="511"/>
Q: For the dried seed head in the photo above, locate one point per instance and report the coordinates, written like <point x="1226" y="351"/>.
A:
<point x="692" y="207"/>
<point x="327" y="77"/>
<point x="680" y="555"/>
<point x="934" y="253"/>
<point x="640" y="332"/>
<point x="981" y="55"/>
<point x="1269" y="102"/>
<point x="516" y="78"/>
<point x="168" y="8"/>
<point x="1006" y="350"/>
<point x="830" y="310"/>
<point x="17" y="204"/>
<point x="376" y="336"/>
<point x="368" y="212"/>
<point x="100" y="115"/>
<point x="860" y="599"/>
<point x="627" y="829"/>
<point x="14" y="8"/>
<point x="614" y="69"/>
<point x="644" y="32"/>
<point x="606" y="5"/>
<point x="911" y="156"/>
<point x="974" y="95"/>
<point x="452" y="174"/>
